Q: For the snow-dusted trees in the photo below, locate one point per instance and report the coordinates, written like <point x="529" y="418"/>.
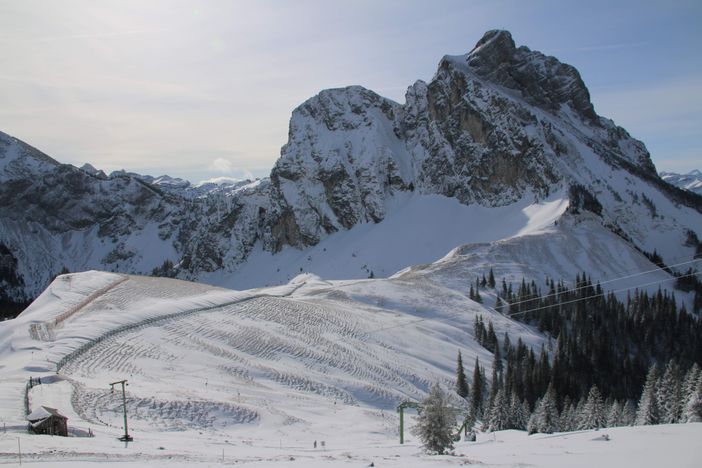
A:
<point x="615" y="415"/>
<point x="629" y="413"/>
<point x="499" y="417"/>
<point x="545" y="416"/>
<point x="592" y="415"/>
<point x="668" y="395"/>
<point x="461" y="381"/>
<point x="692" y="395"/>
<point x="648" y="404"/>
<point x="436" y="422"/>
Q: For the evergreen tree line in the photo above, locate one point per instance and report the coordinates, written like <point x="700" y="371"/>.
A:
<point x="607" y="342"/>
<point x="668" y="397"/>
<point x="606" y="352"/>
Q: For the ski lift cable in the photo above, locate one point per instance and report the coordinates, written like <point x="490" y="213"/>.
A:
<point x="614" y="280"/>
<point x="604" y="293"/>
<point x="542" y="307"/>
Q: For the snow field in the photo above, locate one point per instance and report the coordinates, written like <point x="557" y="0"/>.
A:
<point x="255" y="377"/>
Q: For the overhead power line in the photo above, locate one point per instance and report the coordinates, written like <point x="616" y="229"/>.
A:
<point x="614" y="280"/>
<point x="412" y="322"/>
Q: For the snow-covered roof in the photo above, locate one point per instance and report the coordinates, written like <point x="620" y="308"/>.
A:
<point x="44" y="412"/>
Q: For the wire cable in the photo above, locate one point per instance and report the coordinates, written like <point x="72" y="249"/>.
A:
<point x="541" y="307"/>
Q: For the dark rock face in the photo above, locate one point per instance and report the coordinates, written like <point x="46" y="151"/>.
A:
<point x="543" y="81"/>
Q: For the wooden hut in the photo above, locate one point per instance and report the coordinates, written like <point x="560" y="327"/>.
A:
<point x="45" y="420"/>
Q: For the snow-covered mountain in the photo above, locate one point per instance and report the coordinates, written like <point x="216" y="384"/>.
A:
<point x="691" y="181"/>
<point x="501" y="147"/>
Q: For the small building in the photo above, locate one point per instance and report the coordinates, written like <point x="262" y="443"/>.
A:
<point x="45" y="420"/>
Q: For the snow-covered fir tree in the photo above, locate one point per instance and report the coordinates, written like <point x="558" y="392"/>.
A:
<point x="519" y="413"/>
<point x="668" y="395"/>
<point x="499" y="417"/>
<point x="614" y="415"/>
<point x="436" y="422"/>
<point x="629" y="413"/>
<point x="592" y="415"/>
<point x="544" y="419"/>
<point x="693" y="406"/>
<point x="648" y="404"/>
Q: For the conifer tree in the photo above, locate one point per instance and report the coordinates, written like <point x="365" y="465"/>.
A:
<point x="491" y="280"/>
<point x="648" y="404"/>
<point x="435" y="422"/>
<point x="519" y="413"/>
<point x="476" y="398"/>
<point x="629" y="413"/>
<point x="668" y="395"/>
<point x="462" y="387"/>
<point x="499" y="417"/>
<point x="477" y="297"/>
<point x="690" y="384"/>
<point x="491" y="337"/>
<point x="566" y="421"/>
<point x="693" y="405"/>
<point x="497" y="359"/>
<point x="593" y="412"/>
<point x="614" y="415"/>
<point x="545" y="417"/>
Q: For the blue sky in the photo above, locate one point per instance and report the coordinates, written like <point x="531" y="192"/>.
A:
<point x="200" y="89"/>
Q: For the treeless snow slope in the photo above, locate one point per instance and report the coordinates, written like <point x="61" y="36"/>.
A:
<point x="559" y="251"/>
<point x="418" y="229"/>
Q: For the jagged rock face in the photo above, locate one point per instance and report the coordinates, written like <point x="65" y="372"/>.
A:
<point x="542" y="81"/>
<point x="472" y="144"/>
<point x="342" y="160"/>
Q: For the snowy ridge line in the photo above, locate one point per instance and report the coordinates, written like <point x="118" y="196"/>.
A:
<point x="131" y="326"/>
<point x="44" y="331"/>
<point x="88" y="300"/>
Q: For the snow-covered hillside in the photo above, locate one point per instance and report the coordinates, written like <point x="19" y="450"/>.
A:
<point x="501" y="143"/>
<point x="258" y="376"/>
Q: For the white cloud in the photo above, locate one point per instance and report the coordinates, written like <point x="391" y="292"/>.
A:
<point x="222" y="165"/>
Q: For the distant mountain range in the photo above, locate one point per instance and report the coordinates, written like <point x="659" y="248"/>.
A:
<point x="691" y="181"/>
<point x="501" y="156"/>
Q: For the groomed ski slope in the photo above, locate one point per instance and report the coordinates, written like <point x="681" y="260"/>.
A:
<point x="258" y="376"/>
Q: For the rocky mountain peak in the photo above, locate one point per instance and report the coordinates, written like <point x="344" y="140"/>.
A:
<point x="541" y="80"/>
<point x="494" y="48"/>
